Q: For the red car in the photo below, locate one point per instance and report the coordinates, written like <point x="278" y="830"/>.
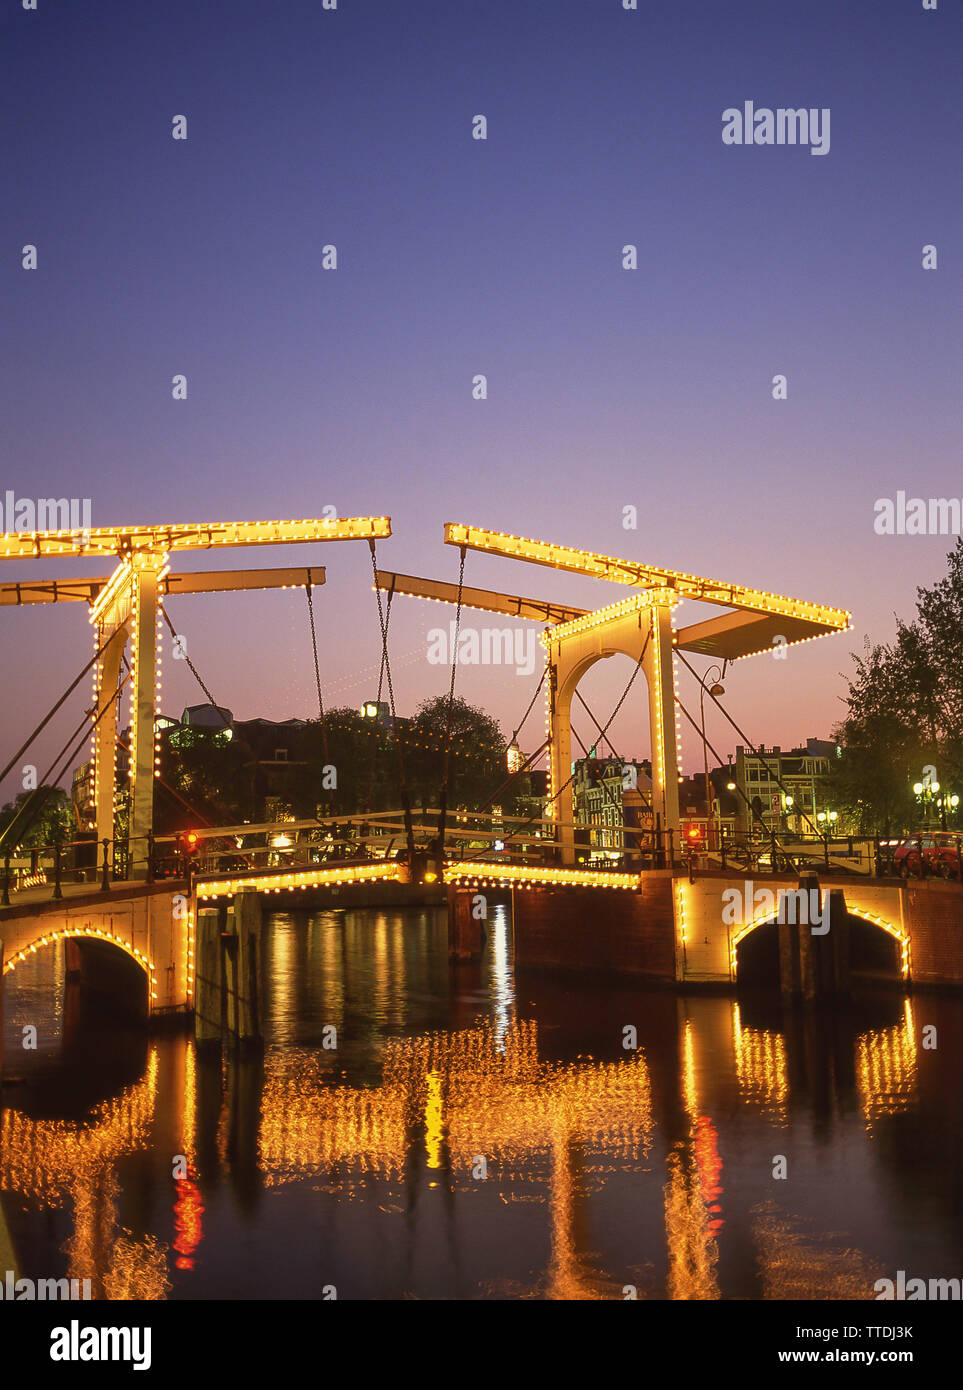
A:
<point x="935" y="848"/>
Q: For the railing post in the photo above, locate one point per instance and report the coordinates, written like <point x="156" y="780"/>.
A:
<point x="58" y="892"/>
<point x="6" y="880"/>
<point x="105" y="875"/>
<point x="826" y="849"/>
<point x="150" y="856"/>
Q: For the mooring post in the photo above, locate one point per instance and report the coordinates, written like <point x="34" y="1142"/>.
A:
<point x="229" y="972"/>
<point x="247" y="919"/>
<point x="464" y="929"/>
<point x="207" y="979"/>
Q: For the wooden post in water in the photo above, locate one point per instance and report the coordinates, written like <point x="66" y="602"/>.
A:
<point x="247" y="917"/>
<point x="839" y="941"/>
<point x="464" y="929"/>
<point x="797" y="979"/>
<point x="208" y="993"/>
<point x="229" y="967"/>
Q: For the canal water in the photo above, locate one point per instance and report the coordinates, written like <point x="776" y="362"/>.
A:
<point x="418" y="1131"/>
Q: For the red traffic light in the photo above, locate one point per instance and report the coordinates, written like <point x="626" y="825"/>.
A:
<point x="694" y="834"/>
<point x="190" y="841"/>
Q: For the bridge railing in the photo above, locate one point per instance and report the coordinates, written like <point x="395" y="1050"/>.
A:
<point x="470" y="836"/>
<point x="866" y="856"/>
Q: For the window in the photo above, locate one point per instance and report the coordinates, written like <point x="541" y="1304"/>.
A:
<point x="280" y="755"/>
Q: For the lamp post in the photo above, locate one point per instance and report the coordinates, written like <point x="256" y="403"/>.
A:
<point x="925" y="793"/>
<point x="716" y="689"/>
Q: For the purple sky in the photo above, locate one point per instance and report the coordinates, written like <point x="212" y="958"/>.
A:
<point x="607" y="388"/>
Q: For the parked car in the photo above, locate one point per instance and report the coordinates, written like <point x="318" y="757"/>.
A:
<point x="935" y="850"/>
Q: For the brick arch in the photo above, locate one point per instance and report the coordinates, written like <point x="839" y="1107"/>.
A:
<point x="766" y="917"/>
<point x="49" y="938"/>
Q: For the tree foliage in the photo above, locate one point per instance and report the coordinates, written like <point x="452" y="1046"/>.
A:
<point x="905" y="713"/>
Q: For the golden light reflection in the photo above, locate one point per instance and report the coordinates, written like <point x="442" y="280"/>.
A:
<point x="433" y="1119"/>
<point x="44" y="1160"/>
<point x="761" y="1067"/>
<point x="481" y="1090"/>
<point x="794" y="1263"/>
<point x="53" y="1163"/>
<point x="886" y="1068"/>
<point x="504" y="985"/>
<point x="692" y="1248"/>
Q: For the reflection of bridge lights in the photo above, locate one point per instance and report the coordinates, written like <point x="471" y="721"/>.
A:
<point x="761" y="1070"/>
<point x="886" y="1068"/>
<point x="501" y="975"/>
<point x="483" y="1090"/>
<point x="692" y="1248"/>
<point x="45" y="1160"/>
<point x="433" y="1119"/>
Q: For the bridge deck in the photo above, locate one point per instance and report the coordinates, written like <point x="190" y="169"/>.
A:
<point x="35" y="902"/>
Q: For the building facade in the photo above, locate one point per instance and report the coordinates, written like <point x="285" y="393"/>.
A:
<point x="802" y="804"/>
<point x="613" y="808"/>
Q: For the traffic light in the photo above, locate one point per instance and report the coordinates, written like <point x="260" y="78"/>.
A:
<point x="190" y="843"/>
<point x="693" y="836"/>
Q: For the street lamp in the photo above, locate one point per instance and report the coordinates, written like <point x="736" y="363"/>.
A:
<point x="514" y="758"/>
<point x="926" y="794"/>
<point x="716" y="689"/>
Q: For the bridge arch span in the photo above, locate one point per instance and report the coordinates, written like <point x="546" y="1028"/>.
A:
<point x="876" y="944"/>
<point x="641" y="629"/>
<point x="85" y="934"/>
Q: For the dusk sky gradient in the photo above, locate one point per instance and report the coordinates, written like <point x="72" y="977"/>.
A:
<point x="606" y="388"/>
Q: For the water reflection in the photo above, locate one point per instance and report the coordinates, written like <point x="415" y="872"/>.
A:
<point x="479" y="1132"/>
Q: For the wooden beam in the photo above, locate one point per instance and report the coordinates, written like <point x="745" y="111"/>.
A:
<point x="206" y="535"/>
<point x="198" y="582"/>
<point x="488" y="600"/>
<point x="734" y="635"/>
<point x="716" y="591"/>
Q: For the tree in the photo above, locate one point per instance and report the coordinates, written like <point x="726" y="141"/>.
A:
<point x="346" y="767"/>
<point x="54" y="822"/>
<point x="905" y="712"/>
<point x="209" y="772"/>
<point x="476" y="765"/>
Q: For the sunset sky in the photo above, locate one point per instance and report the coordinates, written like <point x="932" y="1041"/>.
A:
<point x="352" y="388"/>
